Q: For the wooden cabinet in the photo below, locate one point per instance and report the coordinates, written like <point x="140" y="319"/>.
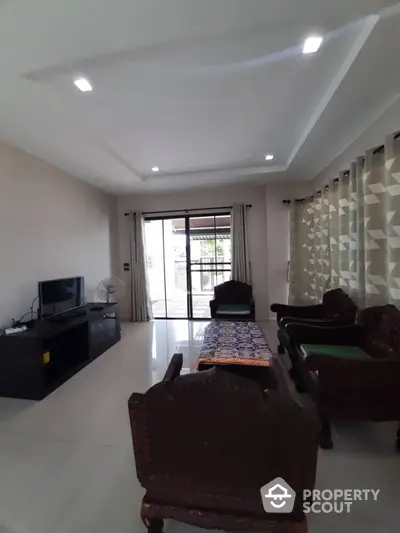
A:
<point x="35" y="362"/>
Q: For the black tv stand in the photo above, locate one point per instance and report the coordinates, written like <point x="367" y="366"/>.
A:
<point x="68" y="316"/>
<point x="35" y="362"/>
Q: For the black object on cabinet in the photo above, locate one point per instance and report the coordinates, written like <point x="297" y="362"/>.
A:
<point x="35" y="362"/>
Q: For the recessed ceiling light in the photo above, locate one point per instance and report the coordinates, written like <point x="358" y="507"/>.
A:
<point x="155" y="169"/>
<point x="83" y="85"/>
<point x="312" y="44"/>
<point x="269" y="157"/>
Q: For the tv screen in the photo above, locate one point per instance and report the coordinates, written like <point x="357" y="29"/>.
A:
<point x="60" y="295"/>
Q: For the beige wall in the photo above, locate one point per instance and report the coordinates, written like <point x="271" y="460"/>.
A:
<point x="51" y="226"/>
<point x="204" y="199"/>
<point x="268" y="231"/>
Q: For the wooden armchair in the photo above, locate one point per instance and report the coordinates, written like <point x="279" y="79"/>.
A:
<point x="205" y="444"/>
<point x="337" y="309"/>
<point x="347" y="384"/>
<point x="233" y="300"/>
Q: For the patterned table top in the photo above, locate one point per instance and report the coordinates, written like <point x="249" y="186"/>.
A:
<point x="236" y="342"/>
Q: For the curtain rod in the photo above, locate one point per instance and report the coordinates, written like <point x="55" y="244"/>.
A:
<point x="346" y="173"/>
<point x="187" y="210"/>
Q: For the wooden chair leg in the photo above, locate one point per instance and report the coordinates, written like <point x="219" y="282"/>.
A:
<point x="155" y="525"/>
<point x="325" y="435"/>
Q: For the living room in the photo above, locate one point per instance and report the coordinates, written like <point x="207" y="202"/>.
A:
<point x="151" y="153"/>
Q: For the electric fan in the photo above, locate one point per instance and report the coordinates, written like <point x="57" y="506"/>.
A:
<point x="110" y="290"/>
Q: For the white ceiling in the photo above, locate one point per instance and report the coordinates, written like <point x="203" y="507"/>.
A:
<point x="203" y="89"/>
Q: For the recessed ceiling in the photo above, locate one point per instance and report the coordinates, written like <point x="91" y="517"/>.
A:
<point x="203" y="89"/>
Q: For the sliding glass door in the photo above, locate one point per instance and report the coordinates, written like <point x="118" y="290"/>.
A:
<point x="166" y="262"/>
<point x="210" y="259"/>
<point x="186" y="258"/>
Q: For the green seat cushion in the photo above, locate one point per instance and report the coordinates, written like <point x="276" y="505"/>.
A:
<point x="233" y="310"/>
<point x="335" y="350"/>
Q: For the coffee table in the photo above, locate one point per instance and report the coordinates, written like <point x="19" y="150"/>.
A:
<point x="234" y="343"/>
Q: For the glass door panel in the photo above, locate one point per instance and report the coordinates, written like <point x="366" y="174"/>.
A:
<point x="155" y="266"/>
<point x="210" y="259"/>
<point x="176" y="268"/>
<point x="167" y="267"/>
<point x="187" y="257"/>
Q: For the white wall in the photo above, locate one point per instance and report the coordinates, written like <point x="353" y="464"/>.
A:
<point x="51" y="226"/>
<point x="375" y="135"/>
<point x="206" y="199"/>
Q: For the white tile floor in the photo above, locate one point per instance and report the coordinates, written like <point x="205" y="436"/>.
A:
<point x="66" y="463"/>
<point x="177" y="307"/>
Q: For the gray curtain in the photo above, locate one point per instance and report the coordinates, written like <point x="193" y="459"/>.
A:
<point x="348" y="235"/>
<point x="141" y="305"/>
<point x="240" y="261"/>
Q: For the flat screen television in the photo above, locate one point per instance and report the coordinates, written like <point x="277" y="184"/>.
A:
<point x="58" y="296"/>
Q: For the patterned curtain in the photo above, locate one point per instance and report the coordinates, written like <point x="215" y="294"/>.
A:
<point x="321" y="251"/>
<point x="301" y="276"/>
<point x="392" y="178"/>
<point x="310" y="265"/>
<point x="348" y="235"/>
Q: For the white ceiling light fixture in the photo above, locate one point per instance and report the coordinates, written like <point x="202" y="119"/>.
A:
<point x="83" y="85"/>
<point x="155" y="169"/>
<point x="269" y="157"/>
<point x="312" y="44"/>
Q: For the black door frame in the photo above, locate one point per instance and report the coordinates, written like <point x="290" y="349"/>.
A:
<point x="189" y="291"/>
